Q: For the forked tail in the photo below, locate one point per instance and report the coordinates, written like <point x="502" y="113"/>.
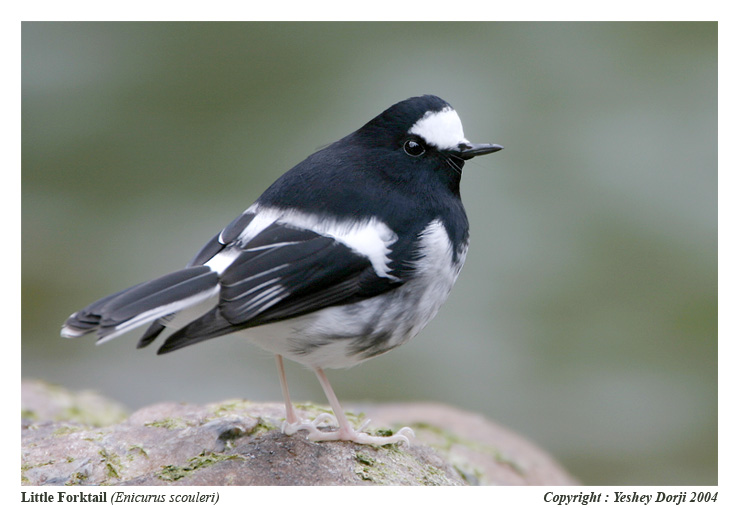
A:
<point x="123" y="311"/>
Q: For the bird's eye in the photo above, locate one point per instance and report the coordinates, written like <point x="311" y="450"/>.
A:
<point x="413" y="148"/>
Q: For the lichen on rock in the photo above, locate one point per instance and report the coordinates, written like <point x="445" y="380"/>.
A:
<point x="238" y="442"/>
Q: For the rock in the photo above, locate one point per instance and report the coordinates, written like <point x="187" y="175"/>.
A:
<point x="238" y="442"/>
<point x="43" y="401"/>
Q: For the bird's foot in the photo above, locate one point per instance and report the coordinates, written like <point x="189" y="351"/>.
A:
<point x="356" y="436"/>
<point x="289" y="428"/>
<point x="345" y="433"/>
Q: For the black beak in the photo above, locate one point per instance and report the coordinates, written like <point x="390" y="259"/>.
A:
<point x="469" y="150"/>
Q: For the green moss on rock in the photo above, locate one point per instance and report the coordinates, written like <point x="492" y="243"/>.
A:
<point x="171" y="473"/>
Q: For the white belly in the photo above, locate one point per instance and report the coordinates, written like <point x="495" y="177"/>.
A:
<point x="344" y="335"/>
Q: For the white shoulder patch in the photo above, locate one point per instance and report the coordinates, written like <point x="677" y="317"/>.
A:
<point x="442" y="129"/>
<point x="372" y="238"/>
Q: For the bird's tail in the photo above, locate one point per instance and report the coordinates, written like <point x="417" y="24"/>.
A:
<point x="118" y="313"/>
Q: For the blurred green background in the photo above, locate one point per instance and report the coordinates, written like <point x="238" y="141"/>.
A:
<point x="586" y="316"/>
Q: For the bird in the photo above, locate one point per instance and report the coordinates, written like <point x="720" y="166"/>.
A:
<point x="345" y="257"/>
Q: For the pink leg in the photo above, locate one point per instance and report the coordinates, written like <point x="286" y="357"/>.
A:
<point x="292" y="423"/>
<point x="345" y="432"/>
<point x="290" y="415"/>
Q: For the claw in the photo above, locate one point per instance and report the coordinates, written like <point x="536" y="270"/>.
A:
<point x="325" y="418"/>
<point x="363" y="425"/>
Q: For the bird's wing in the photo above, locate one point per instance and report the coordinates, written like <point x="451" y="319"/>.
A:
<point x="282" y="272"/>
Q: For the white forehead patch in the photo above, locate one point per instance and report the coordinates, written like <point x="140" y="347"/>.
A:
<point x="442" y="129"/>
